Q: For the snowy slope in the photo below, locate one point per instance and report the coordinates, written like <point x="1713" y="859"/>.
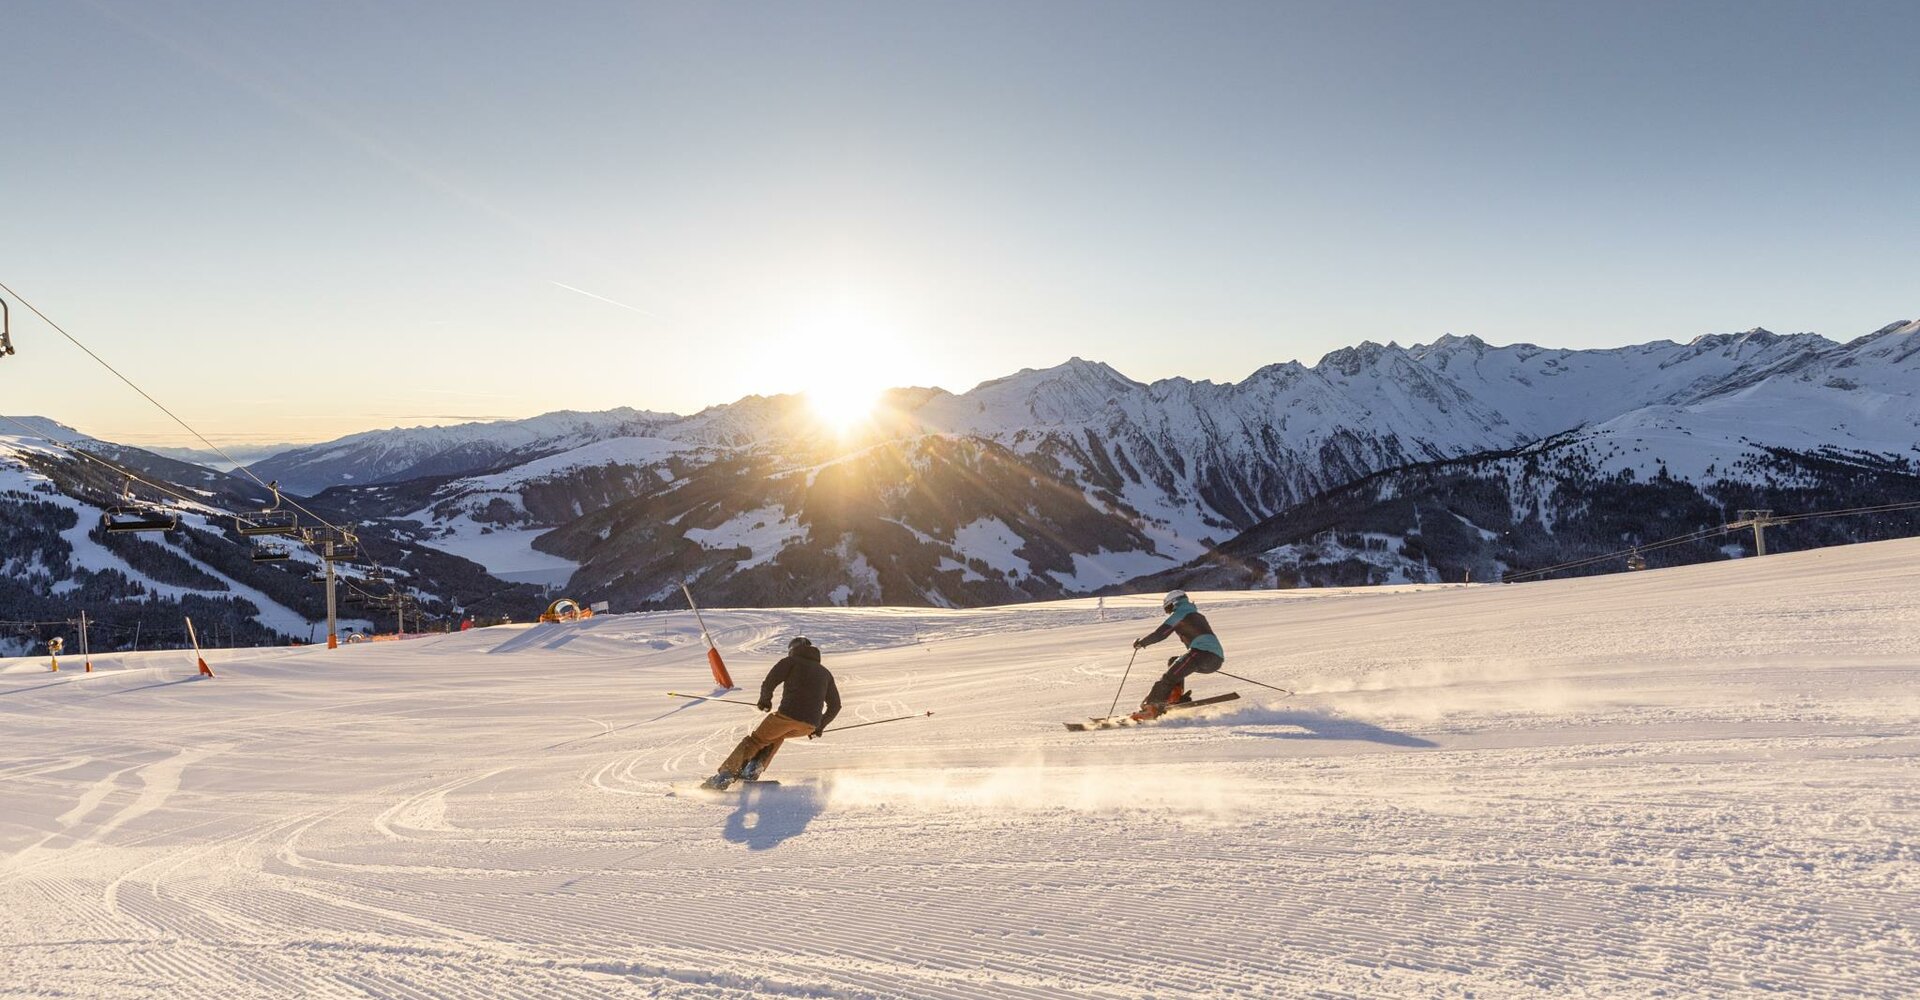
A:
<point x="1691" y="782"/>
<point x="55" y="561"/>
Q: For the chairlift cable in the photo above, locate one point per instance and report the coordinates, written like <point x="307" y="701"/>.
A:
<point x="131" y="477"/>
<point x="1888" y="508"/>
<point x="222" y="452"/>
<point x="119" y="471"/>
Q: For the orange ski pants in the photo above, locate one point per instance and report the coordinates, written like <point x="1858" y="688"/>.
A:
<point x="765" y="741"/>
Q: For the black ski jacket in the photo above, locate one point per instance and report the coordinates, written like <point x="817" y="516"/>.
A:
<point x="810" y="694"/>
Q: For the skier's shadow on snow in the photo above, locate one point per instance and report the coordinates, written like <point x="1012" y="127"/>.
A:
<point x="1326" y="727"/>
<point x="36" y="687"/>
<point x="149" y="687"/>
<point x="769" y="817"/>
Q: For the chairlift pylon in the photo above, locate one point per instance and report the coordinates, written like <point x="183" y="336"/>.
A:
<point x="346" y="544"/>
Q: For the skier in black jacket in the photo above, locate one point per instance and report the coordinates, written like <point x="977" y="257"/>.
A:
<point x="807" y="706"/>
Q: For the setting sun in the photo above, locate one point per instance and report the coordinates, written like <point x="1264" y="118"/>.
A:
<point x="842" y="358"/>
<point x="844" y="408"/>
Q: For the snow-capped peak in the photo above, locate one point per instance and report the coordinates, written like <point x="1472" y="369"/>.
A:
<point x="42" y="428"/>
<point x="1351" y="361"/>
<point x="1077" y="391"/>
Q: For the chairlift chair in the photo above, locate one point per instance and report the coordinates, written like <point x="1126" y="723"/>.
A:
<point x="264" y="553"/>
<point x="6" y="330"/>
<point x="269" y="520"/>
<point x="131" y="515"/>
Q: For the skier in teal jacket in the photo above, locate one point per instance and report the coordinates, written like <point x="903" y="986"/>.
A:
<point x="1204" y="653"/>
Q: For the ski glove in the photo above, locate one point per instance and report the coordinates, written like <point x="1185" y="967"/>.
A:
<point x="816" y="734"/>
<point x="765" y="706"/>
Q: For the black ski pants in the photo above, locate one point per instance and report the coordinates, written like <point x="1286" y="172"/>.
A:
<point x="1194" y="661"/>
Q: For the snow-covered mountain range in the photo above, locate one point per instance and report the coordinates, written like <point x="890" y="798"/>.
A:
<point x="1076" y="478"/>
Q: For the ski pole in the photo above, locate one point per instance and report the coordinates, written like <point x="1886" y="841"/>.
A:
<point x="1250" y="680"/>
<point x="1123" y="681"/>
<point x="879" y="722"/>
<point x="724" y="701"/>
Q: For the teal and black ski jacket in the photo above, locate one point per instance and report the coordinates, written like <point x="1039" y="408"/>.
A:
<point x="1191" y="626"/>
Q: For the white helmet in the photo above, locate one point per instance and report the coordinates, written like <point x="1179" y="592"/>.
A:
<point x="1173" y="597"/>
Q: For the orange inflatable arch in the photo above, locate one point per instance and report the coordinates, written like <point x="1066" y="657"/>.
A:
<point x="566" y="609"/>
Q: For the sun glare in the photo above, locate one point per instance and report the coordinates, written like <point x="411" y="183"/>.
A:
<point x="844" y="407"/>
<point x="849" y="359"/>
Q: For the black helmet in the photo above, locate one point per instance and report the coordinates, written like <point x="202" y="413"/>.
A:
<point x="798" y="643"/>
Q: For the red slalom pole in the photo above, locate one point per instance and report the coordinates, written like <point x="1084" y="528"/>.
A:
<point x="714" y="663"/>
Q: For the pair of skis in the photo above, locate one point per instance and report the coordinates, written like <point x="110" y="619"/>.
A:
<point x="1123" y="721"/>
<point x="742" y="785"/>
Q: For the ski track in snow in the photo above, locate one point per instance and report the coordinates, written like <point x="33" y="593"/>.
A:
<point x="1688" y="783"/>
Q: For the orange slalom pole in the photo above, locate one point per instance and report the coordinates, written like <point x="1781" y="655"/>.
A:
<point x="205" y="671"/>
<point x="714" y="663"/>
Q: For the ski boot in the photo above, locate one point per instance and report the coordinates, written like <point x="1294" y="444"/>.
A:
<point x="719" y="781"/>
<point x="1157" y="701"/>
<point x="751" y="770"/>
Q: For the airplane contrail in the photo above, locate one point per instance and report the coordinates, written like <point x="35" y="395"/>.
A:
<point x="611" y="302"/>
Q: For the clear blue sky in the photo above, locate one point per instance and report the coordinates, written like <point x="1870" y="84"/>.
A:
<point x="299" y="220"/>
